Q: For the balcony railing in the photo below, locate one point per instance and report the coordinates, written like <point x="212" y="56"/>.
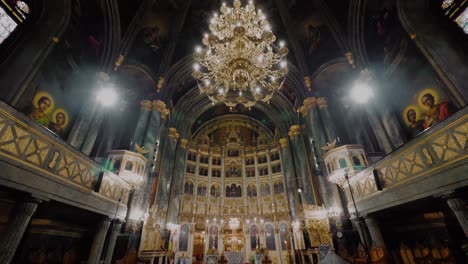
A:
<point x="431" y="154"/>
<point x="27" y="146"/>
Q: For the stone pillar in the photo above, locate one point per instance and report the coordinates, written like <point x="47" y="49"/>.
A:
<point x="311" y="110"/>
<point x="93" y="131"/>
<point x="301" y="162"/>
<point x="178" y="182"/>
<point x="278" y="245"/>
<point x="113" y="238"/>
<point x="82" y="123"/>
<point x="191" y="240"/>
<point x="86" y="126"/>
<point x="379" y="130"/>
<point x="287" y="169"/>
<point x="143" y="119"/>
<point x="374" y="231"/>
<point x="458" y="206"/>
<point x="328" y="122"/>
<point x="363" y="234"/>
<point x="166" y="172"/>
<point x="15" y="229"/>
<point x="98" y="242"/>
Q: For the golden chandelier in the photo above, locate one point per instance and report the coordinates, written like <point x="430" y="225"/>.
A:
<point x="239" y="63"/>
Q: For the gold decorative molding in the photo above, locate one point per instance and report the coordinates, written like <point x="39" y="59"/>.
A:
<point x="118" y="62"/>
<point x="160" y="84"/>
<point x="321" y="102"/>
<point x="183" y="143"/>
<point x="413" y="36"/>
<point x="350" y="59"/>
<point x="161" y="107"/>
<point x="173" y="133"/>
<point x="307" y="104"/>
<point x="308" y="83"/>
<point x="146" y="105"/>
<point x="283" y="142"/>
<point x="294" y="131"/>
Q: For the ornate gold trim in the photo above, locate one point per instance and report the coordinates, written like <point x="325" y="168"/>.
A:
<point x="321" y="102"/>
<point x="183" y="143"/>
<point x="307" y="104"/>
<point x="283" y="142"/>
<point x="146" y="105"/>
<point x="161" y="107"/>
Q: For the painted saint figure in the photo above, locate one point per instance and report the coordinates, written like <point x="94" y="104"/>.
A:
<point x="436" y="112"/>
<point x="415" y="126"/>
<point x="39" y="112"/>
<point x="59" y="124"/>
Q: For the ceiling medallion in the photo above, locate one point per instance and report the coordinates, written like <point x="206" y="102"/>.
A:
<point x="239" y="62"/>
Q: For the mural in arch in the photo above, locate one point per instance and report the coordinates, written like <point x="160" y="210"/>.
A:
<point x="426" y="109"/>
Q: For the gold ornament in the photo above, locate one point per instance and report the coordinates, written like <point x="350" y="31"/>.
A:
<point x="239" y="64"/>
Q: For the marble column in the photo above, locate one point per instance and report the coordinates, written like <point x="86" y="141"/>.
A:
<point x="177" y="189"/>
<point x="112" y="239"/>
<point x="15" y="229"/>
<point x="166" y="172"/>
<point x="458" y="206"/>
<point x="328" y="122"/>
<point x="313" y="111"/>
<point x="82" y="123"/>
<point x="288" y="167"/>
<point x="379" y="131"/>
<point x="363" y="234"/>
<point x="98" y="242"/>
<point x="93" y="131"/>
<point x="278" y="245"/>
<point x="374" y="231"/>
<point x="301" y="162"/>
<point x="143" y="119"/>
<point x="86" y="126"/>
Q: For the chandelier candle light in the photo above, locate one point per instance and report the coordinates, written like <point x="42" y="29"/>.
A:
<point x="239" y="62"/>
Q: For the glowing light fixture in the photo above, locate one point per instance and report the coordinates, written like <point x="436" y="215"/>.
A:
<point x="239" y="63"/>
<point x="361" y="92"/>
<point x="107" y="96"/>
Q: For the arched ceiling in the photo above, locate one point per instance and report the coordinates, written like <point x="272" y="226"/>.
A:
<point x="171" y="29"/>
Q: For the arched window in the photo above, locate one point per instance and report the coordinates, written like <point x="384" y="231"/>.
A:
<point x="356" y="161"/>
<point x="215" y="191"/>
<point x="283" y="228"/>
<point x="201" y="189"/>
<point x="458" y="11"/>
<point x="213" y="241"/>
<point x="13" y="14"/>
<point x="254" y="239"/>
<point x="342" y="163"/>
<point x="129" y="166"/>
<point x="251" y="191"/>
<point x="117" y="164"/>
<point x="278" y="187"/>
<point x="270" y="237"/>
<point x="188" y="187"/>
<point x="265" y="189"/>
<point x="183" y="238"/>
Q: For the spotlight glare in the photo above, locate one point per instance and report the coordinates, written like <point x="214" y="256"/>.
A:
<point x="361" y="92"/>
<point x="107" y="96"/>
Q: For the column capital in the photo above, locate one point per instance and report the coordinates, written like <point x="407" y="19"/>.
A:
<point x="294" y="130"/>
<point x="183" y="143"/>
<point x="146" y="105"/>
<point x="283" y="142"/>
<point x="307" y="104"/>
<point x="173" y="133"/>
<point x="161" y="107"/>
<point x="322" y="102"/>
